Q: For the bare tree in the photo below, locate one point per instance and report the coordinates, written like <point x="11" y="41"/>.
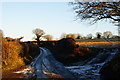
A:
<point x="71" y="36"/>
<point x="63" y="35"/>
<point x="89" y="36"/>
<point x="78" y="36"/>
<point x="48" y="37"/>
<point x="39" y="33"/>
<point x="98" y="35"/>
<point x="107" y="34"/>
<point x="98" y="11"/>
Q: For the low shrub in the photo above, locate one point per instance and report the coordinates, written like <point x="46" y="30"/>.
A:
<point x="15" y="53"/>
<point x="10" y="54"/>
<point x="29" y="52"/>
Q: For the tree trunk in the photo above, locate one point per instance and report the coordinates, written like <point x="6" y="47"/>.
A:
<point x="38" y="40"/>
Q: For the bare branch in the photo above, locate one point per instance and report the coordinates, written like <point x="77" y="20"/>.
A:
<point x="95" y="11"/>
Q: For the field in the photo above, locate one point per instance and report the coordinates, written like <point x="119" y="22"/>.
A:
<point x="16" y="54"/>
<point x="101" y="44"/>
<point x="113" y="42"/>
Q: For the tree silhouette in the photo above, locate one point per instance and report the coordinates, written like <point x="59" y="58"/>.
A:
<point x="78" y="36"/>
<point x="98" y="11"/>
<point x="39" y="33"/>
<point x="89" y="36"/>
<point x="98" y="34"/>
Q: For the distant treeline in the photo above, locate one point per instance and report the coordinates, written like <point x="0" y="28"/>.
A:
<point x="42" y="43"/>
<point x="77" y="40"/>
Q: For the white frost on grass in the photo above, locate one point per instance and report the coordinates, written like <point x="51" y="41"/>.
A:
<point x="25" y="71"/>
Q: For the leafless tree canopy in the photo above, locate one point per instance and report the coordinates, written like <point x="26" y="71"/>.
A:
<point x="39" y="33"/>
<point x="107" y="34"/>
<point x="48" y="37"/>
<point x="89" y="36"/>
<point x="96" y="11"/>
<point x="98" y="35"/>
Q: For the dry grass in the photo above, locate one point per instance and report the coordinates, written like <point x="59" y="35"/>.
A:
<point x="10" y="54"/>
<point x="15" y="54"/>
<point x="105" y="44"/>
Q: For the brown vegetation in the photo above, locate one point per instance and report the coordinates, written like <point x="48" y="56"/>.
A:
<point x="10" y="75"/>
<point x="64" y="50"/>
<point x="67" y="51"/>
<point x="29" y="52"/>
<point x="103" y="43"/>
<point x="10" y="54"/>
<point x="15" y="53"/>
